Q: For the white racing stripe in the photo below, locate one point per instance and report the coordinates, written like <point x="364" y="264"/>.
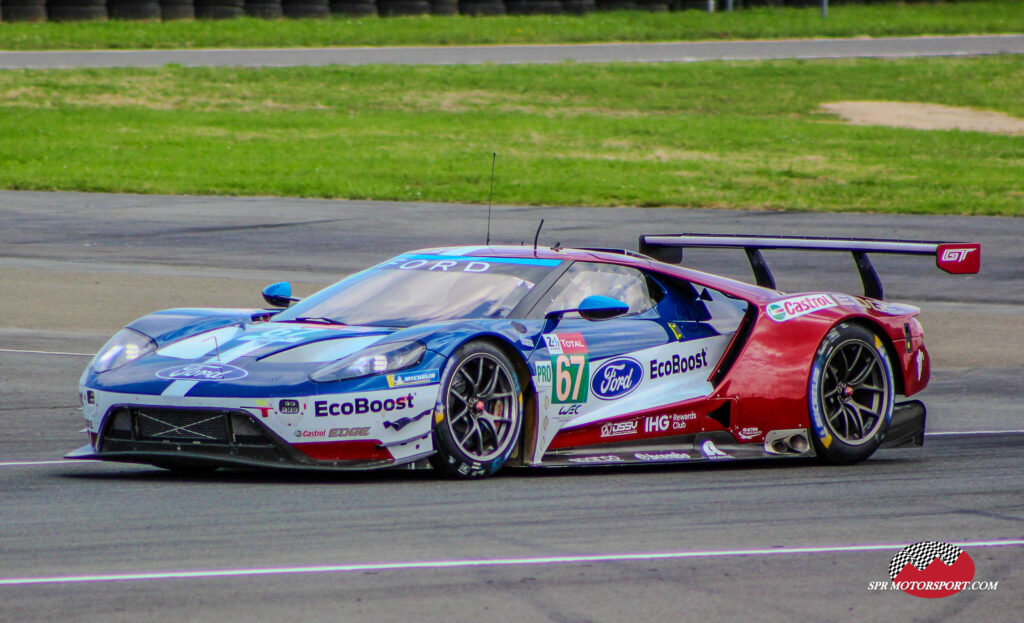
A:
<point x="493" y="562"/>
<point x="180" y="388"/>
<point x="44" y="352"/>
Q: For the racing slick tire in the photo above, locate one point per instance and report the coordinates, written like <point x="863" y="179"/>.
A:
<point x="480" y="418"/>
<point x="851" y="395"/>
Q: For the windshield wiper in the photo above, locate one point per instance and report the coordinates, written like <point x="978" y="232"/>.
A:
<point x="321" y="319"/>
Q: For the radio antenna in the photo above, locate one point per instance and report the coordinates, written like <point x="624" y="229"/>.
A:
<point x="490" y="196"/>
<point x="536" y="237"/>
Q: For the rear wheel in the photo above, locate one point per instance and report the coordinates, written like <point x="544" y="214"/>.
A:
<point x="482" y="417"/>
<point x="851" y="395"/>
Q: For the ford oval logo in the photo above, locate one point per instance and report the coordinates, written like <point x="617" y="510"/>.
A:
<point x="616" y="378"/>
<point x="203" y="372"/>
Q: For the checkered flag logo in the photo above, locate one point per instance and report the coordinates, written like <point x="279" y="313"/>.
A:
<point x="922" y="554"/>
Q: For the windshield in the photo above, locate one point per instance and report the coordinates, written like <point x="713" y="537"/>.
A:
<point x="412" y="289"/>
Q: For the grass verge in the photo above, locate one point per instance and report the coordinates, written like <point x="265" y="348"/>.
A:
<point x="874" y="20"/>
<point x="744" y="135"/>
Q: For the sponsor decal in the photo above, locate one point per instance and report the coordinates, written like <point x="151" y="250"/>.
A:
<point x="264" y="411"/>
<point x="606" y="458"/>
<point x="749" y="433"/>
<point x="570" y="366"/>
<point x="657" y="424"/>
<point x="569" y="410"/>
<point x="674" y="455"/>
<point x="711" y="451"/>
<point x="617" y="378"/>
<point x="679" y="364"/>
<point x="310" y="434"/>
<point x="618" y="429"/>
<point x="959" y="259"/>
<point x="359" y="406"/>
<point x="357" y="431"/>
<point x="681" y="420"/>
<point x="460" y="265"/>
<point x="542" y="374"/>
<point x="526" y="341"/>
<point x="559" y="343"/>
<point x="289" y="335"/>
<point x="816" y="418"/>
<point x="932" y="569"/>
<point x="203" y="372"/>
<point x="919" y="361"/>
<point x="413" y="378"/>
<point x="404" y="421"/>
<point x="787" y="309"/>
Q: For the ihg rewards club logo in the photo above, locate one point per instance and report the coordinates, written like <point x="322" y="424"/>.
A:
<point x="932" y="569"/>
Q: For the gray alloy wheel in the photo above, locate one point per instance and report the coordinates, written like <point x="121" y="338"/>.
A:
<point x="851" y="394"/>
<point x="483" y="412"/>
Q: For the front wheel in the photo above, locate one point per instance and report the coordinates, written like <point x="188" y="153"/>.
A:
<point x="482" y="418"/>
<point x="851" y="394"/>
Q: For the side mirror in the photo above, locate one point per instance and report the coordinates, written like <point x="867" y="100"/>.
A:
<point x="601" y="308"/>
<point x="279" y="294"/>
<point x="594" y="307"/>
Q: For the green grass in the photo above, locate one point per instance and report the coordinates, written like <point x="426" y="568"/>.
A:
<point x="743" y="135"/>
<point x="876" y="20"/>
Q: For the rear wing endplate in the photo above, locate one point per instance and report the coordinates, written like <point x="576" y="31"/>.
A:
<point x="953" y="257"/>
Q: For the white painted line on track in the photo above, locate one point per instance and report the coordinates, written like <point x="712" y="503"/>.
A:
<point x="53" y="462"/>
<point x="974" y="432"/>
<point x="461" y="564"/>
<point x="44" y="352"/>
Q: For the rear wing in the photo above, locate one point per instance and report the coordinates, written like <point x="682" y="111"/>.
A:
<point x="953" y="257"/>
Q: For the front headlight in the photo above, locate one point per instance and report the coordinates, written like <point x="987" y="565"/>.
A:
<point x="126" y="346"/>
<point x="382" y="359"/>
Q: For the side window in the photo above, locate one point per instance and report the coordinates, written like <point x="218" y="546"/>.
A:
<point x="584" y="279"/>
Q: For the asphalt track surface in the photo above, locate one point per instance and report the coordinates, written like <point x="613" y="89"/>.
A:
<point x="883" y="47"/>
<point x="751" y="541"/>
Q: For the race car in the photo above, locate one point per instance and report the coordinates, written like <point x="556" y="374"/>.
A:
<point x="469" y="359"/>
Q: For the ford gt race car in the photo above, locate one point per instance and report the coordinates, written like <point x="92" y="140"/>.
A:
<point x="468" y="359"/>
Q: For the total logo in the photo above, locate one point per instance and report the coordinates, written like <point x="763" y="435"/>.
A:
<point x="787" y="309"/>
<point x="562" y="343"/>
<point x="359" y="406"/>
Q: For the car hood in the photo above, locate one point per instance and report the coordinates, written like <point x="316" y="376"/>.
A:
<point x="241" y="359"/>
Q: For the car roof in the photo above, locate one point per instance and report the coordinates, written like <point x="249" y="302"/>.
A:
<point x="742" y="289"/>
